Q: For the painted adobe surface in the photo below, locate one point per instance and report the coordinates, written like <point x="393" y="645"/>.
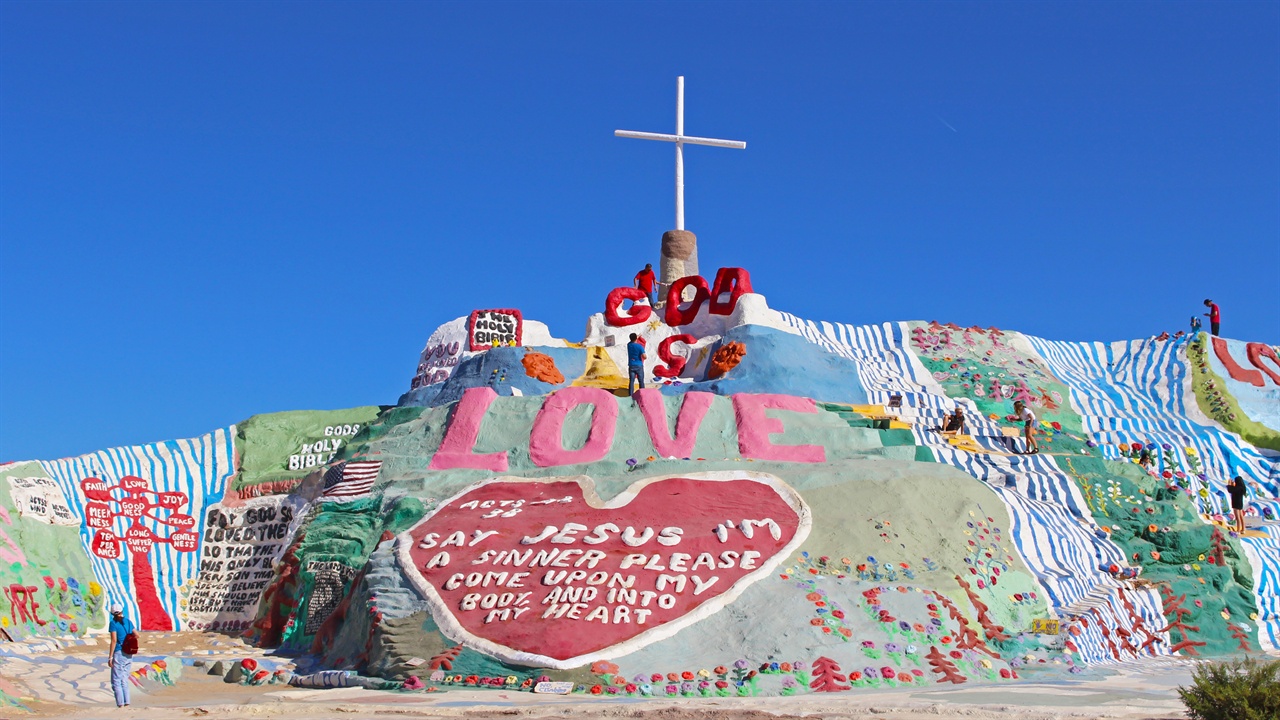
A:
<point x="776" y="515"/>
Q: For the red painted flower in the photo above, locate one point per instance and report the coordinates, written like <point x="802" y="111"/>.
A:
<point x="955" y="654"/>
<point x="721" y="684"/>
<point x="887" y="672"/>
<point x="1004" y="673"/>
<point x="838" y="614"/>
<point x="596" y="689"/>
<point x="604" y="667"/>
<point x="48" y="581"/>
<point x="686" y="675"/>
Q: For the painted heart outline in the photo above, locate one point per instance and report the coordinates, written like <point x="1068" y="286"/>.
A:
<point x="671" y="549"/>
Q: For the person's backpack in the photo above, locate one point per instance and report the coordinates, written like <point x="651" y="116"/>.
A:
<point x="130" y="644"/>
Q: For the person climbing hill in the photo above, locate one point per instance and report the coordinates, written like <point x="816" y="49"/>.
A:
<point x="1215" y="316"/>
<point x="1028" y="420"/>
<point x="635" y="364"/>
<point x="647" y="283"/>
<point x="1237" y="490"/>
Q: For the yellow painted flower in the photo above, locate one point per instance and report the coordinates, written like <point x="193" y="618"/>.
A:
<point x="986" y="663"/>
<point x="94" y="588"/>
<point x="704" y="673"/>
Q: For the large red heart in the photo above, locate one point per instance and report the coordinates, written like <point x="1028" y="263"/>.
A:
<point x="539" y="572"/>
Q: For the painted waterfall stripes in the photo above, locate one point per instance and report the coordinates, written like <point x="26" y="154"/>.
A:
<point x="199" y="467"/>
<point x="1052" y="524"/>
<point x="1137" y="391"/>
<point x="1264" y="560"/>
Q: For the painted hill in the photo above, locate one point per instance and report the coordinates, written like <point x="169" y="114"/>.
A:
<point x="777" y="514"/>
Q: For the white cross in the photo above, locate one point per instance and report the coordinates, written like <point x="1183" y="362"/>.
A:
<point x="680" y="139"/>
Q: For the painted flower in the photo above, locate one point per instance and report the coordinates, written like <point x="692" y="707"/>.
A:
<point x="48" y="581"/>
<point x="721" y="684"/>
<point x="912" y="650"/>
<point x="870" y="673"/>
<point x="673" y="689"/>
<point x="855" y="676"/>
<point x="596" y="689"/>
<point x="630" y="688"/>
<point x="673" y="677"/>
<point x="686" y="675"/>
<point x="603" y="667"/>
<point x="892" y="647"/>
<point x="721" y="670"/>
<point x="656" y="677"/>
<point x="887" y="672"/>
<point x="798" y="665"/>
<point x="785" y="667"/>
<point x="740" y="664"/>
<point x="1005" y="673"/>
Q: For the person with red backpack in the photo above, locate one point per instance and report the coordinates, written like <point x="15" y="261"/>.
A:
<point x="124" y="645"/>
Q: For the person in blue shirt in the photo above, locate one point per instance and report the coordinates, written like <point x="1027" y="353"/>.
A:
<point x="635" y="364"/>
<point x="119" y="663"/>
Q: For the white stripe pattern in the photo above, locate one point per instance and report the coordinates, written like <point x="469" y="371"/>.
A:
<point x="1053" y="527"/>
<point x="1139" y="391"/>
<point x="199" y="467"/>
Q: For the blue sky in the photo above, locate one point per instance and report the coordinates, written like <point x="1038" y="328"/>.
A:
<point x="212" y="210"/>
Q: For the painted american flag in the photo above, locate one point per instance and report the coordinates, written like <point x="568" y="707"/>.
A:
<point x="350" y="480"/>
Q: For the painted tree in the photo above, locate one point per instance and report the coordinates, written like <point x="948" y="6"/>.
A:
<point x="1241" y="635"/>
<point x="444" y="661"/>
<point x="116" y="513"/>
<point x="827" y="676"/>
<point x="1173" y="606"/>
<point x="943" y="666"/>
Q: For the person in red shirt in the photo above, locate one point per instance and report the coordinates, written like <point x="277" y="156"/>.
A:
<point x="1214" y="316"/>
<point x="648" y="284"/>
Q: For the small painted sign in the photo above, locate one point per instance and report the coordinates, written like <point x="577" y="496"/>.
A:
<point x="553" y="688"/>
<point x="494" y="328"/>
<point x="1046" y="626"/>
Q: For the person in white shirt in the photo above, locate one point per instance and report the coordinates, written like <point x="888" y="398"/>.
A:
<point x="1028" y="419"/>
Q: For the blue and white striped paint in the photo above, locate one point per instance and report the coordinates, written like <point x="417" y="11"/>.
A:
<point x="1141" y="391"/>
<point x="1053" y="527"/>
<point x="199" y="467"/>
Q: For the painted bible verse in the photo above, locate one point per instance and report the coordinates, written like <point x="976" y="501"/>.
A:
<point x="540" y="572"/>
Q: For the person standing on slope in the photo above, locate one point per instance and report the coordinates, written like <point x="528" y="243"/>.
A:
<point x="120" y="657"/>
<point x="1215" y="316"/>
<point x="647" y="284"/>
<point x="1237" y="490"/>
<point x="635" y="364"/>
<point x="1028" y="420"/>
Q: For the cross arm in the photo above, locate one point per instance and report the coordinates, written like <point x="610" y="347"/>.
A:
<point x="686" y="139"/>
